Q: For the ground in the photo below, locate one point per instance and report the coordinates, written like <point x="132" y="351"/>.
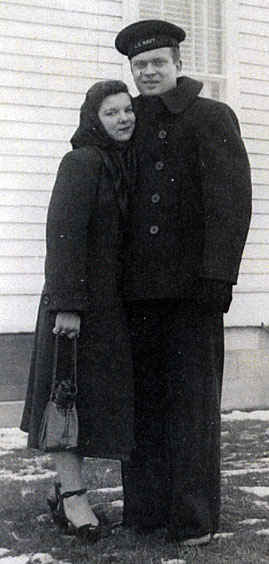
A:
<point x="28" y="536"/>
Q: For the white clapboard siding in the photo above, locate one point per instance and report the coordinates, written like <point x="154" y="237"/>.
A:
<point x="254" y="266"/>
<point x="24" y="265"/>
<point x="26" y="181"/>
<point x="18" y="312"/>
<point x="42" y="148"/>
<point x="22" y="214"/>
<point x="51" y="52"/>
<point x="22" y="247"/>
<point x="21" y="232"/>
<point x="31" y="198"/>
<point x="50" y="17"/>
<point x="258" y="236"/>
<point x="14" y="284"/>
<point x="48" y="133"/>
<point x="252" y="292"/>
<point x="48" y="82"/>
<point x="62" y="67"/>
<point x="38" y="49"/>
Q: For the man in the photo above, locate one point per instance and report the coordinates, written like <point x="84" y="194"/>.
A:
<point x="188" y="223"/>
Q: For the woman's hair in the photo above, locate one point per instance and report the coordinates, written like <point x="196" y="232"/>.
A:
<point x="90" y="130"/>
<point x="100" y="90"/>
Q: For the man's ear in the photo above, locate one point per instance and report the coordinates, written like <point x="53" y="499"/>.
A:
<point x="179" y="66"/>
<point x="131" y="67"/>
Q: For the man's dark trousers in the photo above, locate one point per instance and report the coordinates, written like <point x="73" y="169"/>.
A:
<point x="173" y="477"/>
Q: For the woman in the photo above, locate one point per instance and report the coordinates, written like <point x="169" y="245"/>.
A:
<point x="86" y="224"/>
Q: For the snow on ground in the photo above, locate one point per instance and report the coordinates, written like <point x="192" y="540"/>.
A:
<point x="260" y="491"/>
<point x="243" y="415"/>
<point x="38" y="558"/>
<point x="11" y="439"/>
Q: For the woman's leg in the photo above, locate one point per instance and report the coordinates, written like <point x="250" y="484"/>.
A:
<point x="69" y="470"/>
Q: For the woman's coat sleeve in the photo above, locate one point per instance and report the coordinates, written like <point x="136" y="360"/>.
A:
<point x="69" y="213"/>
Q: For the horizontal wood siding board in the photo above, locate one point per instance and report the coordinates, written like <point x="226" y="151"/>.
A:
<point x="259" y="28"/>
<point x="260" y="221"/>
<point x="255" y="132"/>
<point x="247" y="282"/>
<point x="18" y="313"/>
<point x="23" y="248"/>
<point x="33" y="147"/>
<point x="254" y="86"/>
<point x="254" y="266"/>
<point x="45" y="82"/>
<point x="55" y="50"/>
<point x="258" y="57"/>
<point x="255" y="101"/>
<point x="253" y="41"/>
<point x="257" y="146"/>
<point x="258" y="117"/>
<point x="24" y="265"/>
<point x="255" y="72"/>
<point x="48" y="132"/>
<point x="63" y="18"/>
<point x="258" y="3"/>
<point x="261" y="207"/>
<point x="259" y="250"/>
<point x="24" y="198"/>
<point x="78" y="6"/>
<point x="259" y="161"/>
<point x="255" y="12"/>
<point x="61" y="34"/>
<point x="260" y="177"/>
<point x="260" y="191"/>
<point x="21" y="284"/>
<point x="14" y="163"/>
<point x="15" y="232"/>
<point x="23" y="214"/>
<point x="26" y="181"/>
<point x="56" y="67"/>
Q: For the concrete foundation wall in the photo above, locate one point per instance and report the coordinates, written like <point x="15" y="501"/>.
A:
<point x="246" y="371"/>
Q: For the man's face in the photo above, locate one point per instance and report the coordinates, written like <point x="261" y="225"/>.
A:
<point x="155" y="72"/>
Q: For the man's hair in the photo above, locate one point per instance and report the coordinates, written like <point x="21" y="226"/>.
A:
<point x="175" y="52"/>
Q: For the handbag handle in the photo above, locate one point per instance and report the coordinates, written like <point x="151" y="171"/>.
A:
<point x="55" y="364"/>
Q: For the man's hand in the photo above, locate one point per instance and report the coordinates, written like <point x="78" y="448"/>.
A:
<point x="67" y="323"/>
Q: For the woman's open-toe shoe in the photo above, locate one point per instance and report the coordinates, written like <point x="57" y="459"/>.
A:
<point x="87" y="532"/>
<point x="58" y="517"/>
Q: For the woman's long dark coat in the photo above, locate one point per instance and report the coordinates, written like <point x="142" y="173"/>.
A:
<point x="83" y="274"/>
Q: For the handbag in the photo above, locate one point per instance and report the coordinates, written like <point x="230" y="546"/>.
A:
<point x="59" y="424"/>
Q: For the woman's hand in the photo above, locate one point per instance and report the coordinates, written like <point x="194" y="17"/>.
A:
<point x="67" y="323"/>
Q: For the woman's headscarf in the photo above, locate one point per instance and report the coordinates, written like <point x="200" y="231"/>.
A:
<point x="119" y="156"/>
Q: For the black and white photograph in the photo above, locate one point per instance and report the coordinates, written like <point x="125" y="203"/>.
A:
<point x="134" y="281"/>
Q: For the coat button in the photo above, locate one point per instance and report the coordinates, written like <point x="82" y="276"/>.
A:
<point x="159" y="165"/>
<point x="154" y="229"/>
<point x="155" y="198"/>
<point x="46" y="299"/>
<point x="162" y="134"/>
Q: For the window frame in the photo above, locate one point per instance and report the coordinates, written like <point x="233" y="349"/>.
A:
<point x="229" y="80"/>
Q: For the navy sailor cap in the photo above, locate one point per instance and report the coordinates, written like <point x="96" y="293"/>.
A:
<point x="146" y="35"/>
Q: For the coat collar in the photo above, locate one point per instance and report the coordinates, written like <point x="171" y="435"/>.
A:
<point x="177" y="99"/>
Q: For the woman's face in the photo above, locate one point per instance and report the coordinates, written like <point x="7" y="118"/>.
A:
<point x="117" y="116"/>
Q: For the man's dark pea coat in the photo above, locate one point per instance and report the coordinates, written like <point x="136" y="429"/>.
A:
<point x="189" y="221"/>
<point x="191" y="211"/>
<point x="83" y="274"/>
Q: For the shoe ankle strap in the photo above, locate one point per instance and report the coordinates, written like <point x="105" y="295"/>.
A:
<point x="75" y="492"/>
